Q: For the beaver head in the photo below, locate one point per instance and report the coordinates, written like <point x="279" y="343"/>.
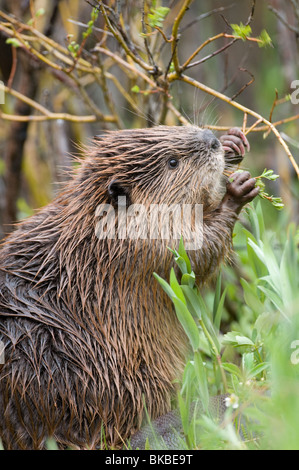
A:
<point x="160" y="165"/>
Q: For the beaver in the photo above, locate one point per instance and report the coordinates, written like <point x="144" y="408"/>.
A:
<point x="90" y="339"/>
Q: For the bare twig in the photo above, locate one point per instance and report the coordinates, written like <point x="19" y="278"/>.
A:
<point x="139" y="69"/>
<point x="121" y="41"/>
<point x="244" y="86"/>
<point x="281" y="18"/>
<point x="242" y="108"/>
<point x="206" y="15"/>
<point x="45" y="113"/>
<point x="175" y="36"/>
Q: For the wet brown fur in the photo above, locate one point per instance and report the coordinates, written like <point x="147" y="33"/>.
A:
<point x="89" y="334"/>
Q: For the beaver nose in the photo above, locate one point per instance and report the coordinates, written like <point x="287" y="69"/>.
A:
<point x="210" y="140"/>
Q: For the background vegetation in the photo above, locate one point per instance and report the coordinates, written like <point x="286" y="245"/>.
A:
<point x="72" y="69"/>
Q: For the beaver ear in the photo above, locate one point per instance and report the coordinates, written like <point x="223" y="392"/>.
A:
<point x="117" y="193"/>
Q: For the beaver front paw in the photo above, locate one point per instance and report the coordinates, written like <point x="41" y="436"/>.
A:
<point x="240" y="190"/>
<point x="234" y="144"/>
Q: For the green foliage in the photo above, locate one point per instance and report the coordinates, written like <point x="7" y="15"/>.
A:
<point x="13" y="41"/>
<point x="90" y="24"/>
<point x="135" y="89"/>
<point x="73" y="46"/>
<point x="257" y="361"/>
<point x="157" y="16"/>
<point x="241" y="31"/>
<point x="265" y="39"/>
<point x="38" y="13"/>
<point x="269" y="175"/>
<point x="244" y="32"/>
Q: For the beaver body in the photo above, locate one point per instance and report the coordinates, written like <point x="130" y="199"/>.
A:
<point x="89" y="337"/>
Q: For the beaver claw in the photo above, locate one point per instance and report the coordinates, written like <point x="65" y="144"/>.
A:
<point x="240" y="190"/>
<point x="234" y="144"/>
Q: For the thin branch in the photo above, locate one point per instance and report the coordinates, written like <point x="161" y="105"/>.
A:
<point x="53" y="117"/>
<point x="121" y="41"/>
<point x="281" y="18"/>
<point x="187" y="65"/>
<point x="206" y="15"/>
<point x="244" y="123"/>
<point x="46" y="114"/>
<point x="274" y="105"/>
<point x="257" y="129"/>
<point x="128" y="66"/>
<point x="146" y="44"/>
<point x="242" y="108"/>
<point x="250" y="18"/>
<point x="247" y="131"/>
<point x="175" y="30"/>
<point x="199" y="49"/>
<point x="244" y="86"/>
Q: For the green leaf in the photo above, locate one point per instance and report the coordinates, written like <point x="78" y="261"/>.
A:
<point x="147" y="444"/>
<point x="248" y="362"/>
<point x="187" y="323"/>
<point x="157" y="16"/>
<point x="176" y="287"/>
<point x="232" y="369"/>
<point x="265" y="322"/>
<point x="275" y="299"/>
<point x="14" y="42"/>
<point x="269" y="175"/>
<point x="183" y="254"/>
<point x="202" y="379"/>
<point x="241" y="31"/>
<point x="188" y="279"/>
<point x="260" y="219"/>
<point x="217" y="294"/>
<point x="193" y="301"/>
<point x="254" y="257"/>
<point x="51" y="444"/>
<point x="40" y="12"/>
<point x="165" y="286"/>
<point x="135" y="89"/>
<point x="258" y="370"/>
<point x="184" y="412"/>
<point x="287" y="276"/>
<point x="251" y="297"/>
<point x="265" y="38"/>
<point x="234" y="338"/>
<point x="258" y="251"/>
<point x="219" y="312"/>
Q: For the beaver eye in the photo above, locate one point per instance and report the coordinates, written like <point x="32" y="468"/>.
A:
<point x="173" y="163"/>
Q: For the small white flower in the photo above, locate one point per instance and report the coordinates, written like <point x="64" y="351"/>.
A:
<point x="232" y="401"/>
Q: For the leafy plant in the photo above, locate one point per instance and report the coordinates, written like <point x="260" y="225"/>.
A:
<point x="241" y="31"/>
<point x="244" y="32"/>
<point x="157" y="16"/>
<point x="269" y="175"/>
<point x="252" y="362"/>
